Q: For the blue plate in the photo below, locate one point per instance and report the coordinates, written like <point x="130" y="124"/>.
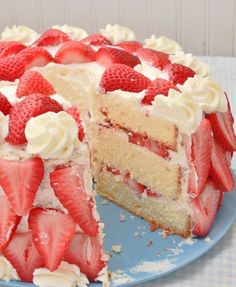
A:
<point x="147" y="255"/>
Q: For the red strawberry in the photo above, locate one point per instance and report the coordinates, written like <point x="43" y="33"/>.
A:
<point x="201" y="154"/>
<point x="86" y="252"/>
<point x="11" y="68"/>
<point x="20" y="180"/>
<point x="130" y="46"/>
<point x="23" y="255"/>
<point x="96" y="40"/>
<point x="35" y="57"/>
<point x="5" y="106"/>
<point x="74" y="52"/>
<point x="33" y="82"/>
<point x="68" y="185"/>
<point x="122" y="77"/>
<point x="157" y="87"/>
<point x="107" y="56"/>
<point x="52" y="37"/>
<point x="73" y="111"/>
<point x="32" y="106"/>
<point x="10" y="48"/>
<point x="8" y="222"/>
<point x="178" y="73"/>
<point x="223" y="130"/>
<point x="205" y="208"/>
<point x="220" y="170"/>
<point x="156" y="58"/>
<point x="52" y="232"/>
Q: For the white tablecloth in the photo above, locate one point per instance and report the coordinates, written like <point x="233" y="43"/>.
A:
<point x="217" y="268"/>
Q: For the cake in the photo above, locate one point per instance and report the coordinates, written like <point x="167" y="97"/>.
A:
<point x="155" y="133"/>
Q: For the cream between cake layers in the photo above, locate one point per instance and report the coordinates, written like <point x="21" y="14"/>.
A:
<point x="160" y="128"/>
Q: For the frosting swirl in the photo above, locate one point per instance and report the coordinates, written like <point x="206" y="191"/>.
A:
<point x="7" y="272"/>
<point x="74" y="33"/>
<point x="4" y="124"/>
<point x="162" y="44"/>
<point x="52" y="135"/>
<point x="67" y="275"/>
<point x="20" y="34"/>
<point x="117" y="33"/>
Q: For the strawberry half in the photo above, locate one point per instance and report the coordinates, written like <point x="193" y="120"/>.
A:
<point x="205" y="208"/>
<point x="52" y="232"/>
<point x="32" y="106"/>
<point x="8" y="222"/>
<point x="11" y="68"/>
<point x="178" y="73"/>
<point x="123" y="77"/>
<point x="5" y="106"/>
<point x="20" y="180"/>
<point x="157" y="87"/>
<point x="155" y="58"/>
<point x="130" y="46"/>
<point x="52" y="37"/>
<point x="73" y="52"/>
<point x="23" y="255"/>
<point x="35" y="57"/>
<point x="107" y="56"/>
<point x="86" y="252"/>
<point x="10" y="48"/>
<point x="96" y="40"/>
<point x="68" y="185"/>
<point x="33" y="82"/>
<point x="220" y="170"/>
<point x="73" y="111"/>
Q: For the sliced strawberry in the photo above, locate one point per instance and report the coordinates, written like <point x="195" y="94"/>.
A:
<point x="107" y="56"/>
<point x="201" y="154"/>
<point x="35" y="57"/>
<point x="155" y="58"/>
<point x="20" y="180"/>
<point x="73" y="52"/>
<point x="8" y="222"/>
<point x="157" y="87"/>
<point x="113" y="170"/>
<point x="23" y="255"/>
<point x="68" y="185"/>
<point x="86" y="252"/>
<point x="32" y="106"/>
<point x="222" y="127"/>
<point x="96" y="40"/>
<point x="33" y="82"/>
<point x="123" y="77"/>
<point x="205" y="208"/>
<point x="178" y="73"/>
<point x="52" y="232"/>
<point x="52" y="37"/>
<point x="73" y="111"/>
<point x="220" y="170"/>
<point x="11" y="68"/>
<point x="5" y="106"/>
<point x="130" y="46"/>
<point x="10" y="48"/>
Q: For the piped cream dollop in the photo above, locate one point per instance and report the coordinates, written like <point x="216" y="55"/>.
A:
<point x="74" y="33"/>
<point x="20" y="34"/>
<point x="117" y="33"/>
<point x="162" y="44"/>
<point x="67" y="275"/>
<point x="4" y="127"/>
<point x="52" y="135"/>
<point x="7" y="271"/>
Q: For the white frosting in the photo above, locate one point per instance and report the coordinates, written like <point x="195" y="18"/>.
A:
<point x="4" y="127"/>
<point x="74" y="33"/>
<point x="117" y="33"/>
<point x="197" y="65"/>
<point x="67" y="275"/>
<point x="162" y="44"/>
<point x="150" y="72"/>
<point x="52" y="135"/>
<point x="7" y="271"/>
<point x="20" y="34"/>
<point x="207" y="93"/>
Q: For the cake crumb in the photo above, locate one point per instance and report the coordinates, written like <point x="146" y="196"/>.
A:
<point x="122" y="217"/>
<point x="119" y="277"/>
<point x="136" y="234"/>
<point x="163" y="233"/>
<point x="104" y="202"/>
<point x="149" y="243"/>
<point x="116" y="248"/>
<point x="207" y="239"/>
<point x="133" y="216"/>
